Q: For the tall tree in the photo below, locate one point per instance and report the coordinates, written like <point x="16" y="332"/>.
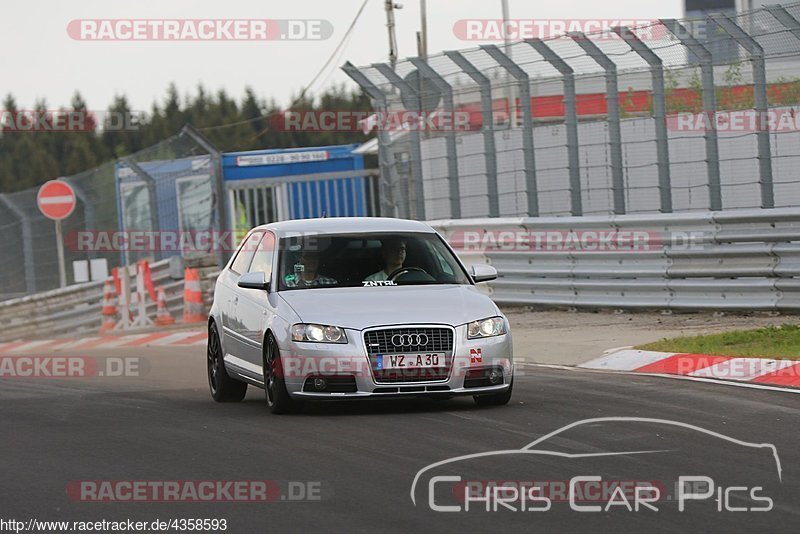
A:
<point x="27" y="159"/>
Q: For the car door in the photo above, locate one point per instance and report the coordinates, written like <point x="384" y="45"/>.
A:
<point x="231" y="323"/>
<point x="255" y="309"/>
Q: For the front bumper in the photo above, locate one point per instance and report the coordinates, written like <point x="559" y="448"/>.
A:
<point x="401" y="392"/>
<point x="472" y="358"/>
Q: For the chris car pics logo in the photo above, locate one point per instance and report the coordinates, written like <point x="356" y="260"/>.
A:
<point x="447" y="487"/>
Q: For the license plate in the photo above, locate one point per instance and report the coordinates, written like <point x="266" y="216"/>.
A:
<point x="411" y="361"/>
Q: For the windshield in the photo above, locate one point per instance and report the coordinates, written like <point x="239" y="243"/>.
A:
<point x="364" y="260"/>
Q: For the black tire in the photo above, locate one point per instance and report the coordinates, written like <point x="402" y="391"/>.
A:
<point x="278" y="399"/>
<point x="495" y="399"/>
<point x="223" y="387"/>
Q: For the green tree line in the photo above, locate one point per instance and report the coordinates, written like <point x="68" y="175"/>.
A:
<point x="29" y="158"/>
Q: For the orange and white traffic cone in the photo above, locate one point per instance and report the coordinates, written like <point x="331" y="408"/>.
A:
<point x="192" y="298"/>
<point x="109" y="311"/>
<point x="163" y="317"/>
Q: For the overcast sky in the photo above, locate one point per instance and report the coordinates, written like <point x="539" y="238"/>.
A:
<point x="39" y="59"/>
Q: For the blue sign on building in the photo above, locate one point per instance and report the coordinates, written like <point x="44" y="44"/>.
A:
<point x="304" y="198"/>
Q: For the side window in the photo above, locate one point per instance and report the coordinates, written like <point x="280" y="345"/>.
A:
<point x="262" y="261"/>
<point x="246" y="253"/>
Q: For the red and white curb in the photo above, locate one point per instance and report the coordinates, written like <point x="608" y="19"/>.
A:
<point x="157" y="339"/>
<point x="750" y="370"/>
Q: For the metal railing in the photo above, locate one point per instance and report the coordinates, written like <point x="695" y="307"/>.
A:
<point x="733" y="260"/>
<point x="722" y="261"/>
<point x="76" y="310"/>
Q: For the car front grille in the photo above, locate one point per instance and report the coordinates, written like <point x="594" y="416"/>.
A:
<point x="380" y="342"/>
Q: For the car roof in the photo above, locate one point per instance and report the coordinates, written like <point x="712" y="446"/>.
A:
<point x="346" y="225"/>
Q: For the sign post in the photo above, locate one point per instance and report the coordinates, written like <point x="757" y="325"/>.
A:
<point x="56" y="201"/>
<point x="62" y="270"/>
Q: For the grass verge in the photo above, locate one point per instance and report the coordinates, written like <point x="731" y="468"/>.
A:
<point x="779" y="342"/>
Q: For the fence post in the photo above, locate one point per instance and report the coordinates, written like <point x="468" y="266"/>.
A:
<point x="659" y="113"/>
<point x="523" y="82"/>
<point x="612" y="110"/>
<point x="219" y="186"/>
<point x="151" y="193"/>
<point x="416" y="144"/>
<point x="709" y="108"/>
<point x="788" y="21"/>
<point x="27" y="242"/>
<point x="88" y="210"/>
<point x="385" y="157"/>
<point x="488" y="126"/>
<point x="756" y="53"/>
<point x="570" y="120"/>
<point x="450" y="137"/>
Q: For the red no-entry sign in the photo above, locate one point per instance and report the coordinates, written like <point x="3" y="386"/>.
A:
<point x="56" y="200"/>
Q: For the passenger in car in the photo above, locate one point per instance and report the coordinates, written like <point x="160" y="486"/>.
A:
<point x="394" y="255"/>
<point x="305" y="272"/>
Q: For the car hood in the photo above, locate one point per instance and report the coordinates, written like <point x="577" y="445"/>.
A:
<point x="362" y="307"/>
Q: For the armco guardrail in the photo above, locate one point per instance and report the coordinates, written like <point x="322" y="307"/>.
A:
<point x="76" y="309"/>
<point x="727" y="261"/>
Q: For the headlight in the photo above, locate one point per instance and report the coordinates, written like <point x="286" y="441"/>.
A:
<point x="494" y="326"/>
<point x="317" y="333"/>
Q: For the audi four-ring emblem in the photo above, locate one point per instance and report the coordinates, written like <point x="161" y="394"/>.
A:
<point x="409" y="340"/>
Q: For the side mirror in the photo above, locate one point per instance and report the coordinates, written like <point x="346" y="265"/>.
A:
<point x="482" y="273"/>
<point x="255" y="280"/>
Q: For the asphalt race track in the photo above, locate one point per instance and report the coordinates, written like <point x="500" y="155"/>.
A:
<point x="362" y="458"/>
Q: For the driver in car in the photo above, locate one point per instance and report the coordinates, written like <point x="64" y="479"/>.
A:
<point x="394" y="255"/>
<point x="306" y="274"/>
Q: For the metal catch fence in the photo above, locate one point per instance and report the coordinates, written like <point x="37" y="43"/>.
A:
<point x="673" y="116"/>
<point x="167" y="187"/>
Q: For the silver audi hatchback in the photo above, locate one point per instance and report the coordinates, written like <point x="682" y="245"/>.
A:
<point x="352" y="308"/>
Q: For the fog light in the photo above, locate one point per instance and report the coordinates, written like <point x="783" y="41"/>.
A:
<point x="320" y="384"/>
<point x="495" y="377"/>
